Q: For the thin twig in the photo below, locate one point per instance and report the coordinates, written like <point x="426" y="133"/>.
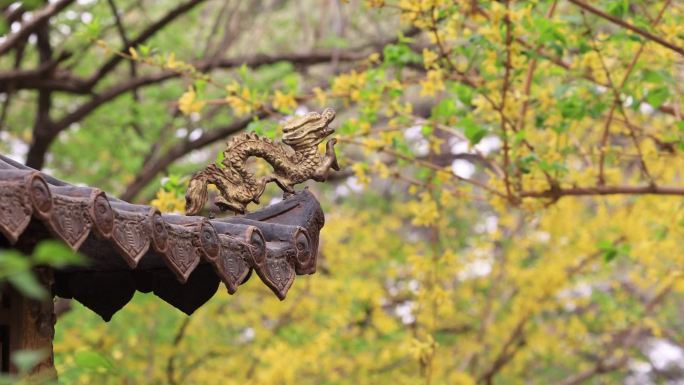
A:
<point x="624" y="24"/>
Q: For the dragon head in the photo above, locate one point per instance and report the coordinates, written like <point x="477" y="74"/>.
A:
<point x="308" y="130"/>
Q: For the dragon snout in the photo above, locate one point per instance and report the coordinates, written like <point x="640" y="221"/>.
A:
<point x="328" y="131"/>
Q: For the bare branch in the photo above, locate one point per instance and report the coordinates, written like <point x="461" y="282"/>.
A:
<point x="604" y="190"/>
<point x="624" y="24"/>
<point x="142" y="37"/>
<point x="39" y="18"/>
<point x="153" y="167"/>
<point x="38" y="149"/>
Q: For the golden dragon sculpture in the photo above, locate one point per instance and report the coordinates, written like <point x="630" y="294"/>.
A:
<point x="294" y="160"/>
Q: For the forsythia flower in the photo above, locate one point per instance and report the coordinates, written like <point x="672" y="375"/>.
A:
<point x="446" y="197"/>
<point x="461" y="378"/>
<point x="432" y="84"/>
<point x="381" y="169"/>
<point x="188" y="102"/>
<point x="349" y="84"/>
<point x="168" y="202"/>
<point x="171" y="62"/>
<point x="284" y="102"/>
<point x="375" y="3"/>
<point x="373" y="58"/>
<point x="240" y="104"/>
<point x="423" y="350"/>
<point x="425" y="211"/>
<point x="360" y="171"/>
<point x="320" y="95"/>
<point x="429" y="58"/>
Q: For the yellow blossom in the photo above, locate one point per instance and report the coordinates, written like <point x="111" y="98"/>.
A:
<point x="188" y="102"/>
<point x="168" y="202"/>
<point x="321" y="96"/>
<point x="429" y="58"/>
<point x="432" y="84"/>
<point x="284" y="102"/>
<point x="171" y="62"/>
<point x="425" y="211"/>
<point x="360" y="172"/>
<point x="381" y="169"/>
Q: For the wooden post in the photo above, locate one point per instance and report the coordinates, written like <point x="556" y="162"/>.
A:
<point x="28" y="324"/>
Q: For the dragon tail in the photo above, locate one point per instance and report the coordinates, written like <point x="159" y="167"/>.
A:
<point x="196" y="195"/>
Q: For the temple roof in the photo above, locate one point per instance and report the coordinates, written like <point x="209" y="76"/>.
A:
<point x="181" y="259"/>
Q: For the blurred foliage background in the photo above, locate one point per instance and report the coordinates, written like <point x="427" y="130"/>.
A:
<point x="510" y="206"/>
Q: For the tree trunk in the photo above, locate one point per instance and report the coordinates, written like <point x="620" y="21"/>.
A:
<point x="28" y="324"/>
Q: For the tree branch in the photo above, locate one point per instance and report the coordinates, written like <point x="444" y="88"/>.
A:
<point x="151" y="168"/>
<point x="624" y="24"/>
<point x="42" y="125"/>
<point x="515" y="341"/>
<point x="124" y="39"/>
<point x="142" y="37"/>
<point x="36" y="154"/>
<point x="560" y="63"/>
<point x="39" y="18"/>
<point x="604" y="190"/>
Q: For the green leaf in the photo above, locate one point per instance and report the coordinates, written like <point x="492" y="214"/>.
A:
<point x="658" y="96"/>
<point x="445" y="109"/>
<point x="145" y="50"/>
<point x="347" y="128"/>
<point x="263" y="128"/>
<point x="423" y="174"/>
<point x="27" y="284"/>
<point x="618" y="8"/>
<point x="200" y="85"/>
<point x="572" y="107"/>
<point x="656" y="77"/>
<point x="525" y="163"/>
<point x="57" y="254"/>
<point x="611" y="250"/>
<point x="400" y="55"/>
<point x="539" y="120"/>
<point x="92" y="30"/>
<point x="519" y="136"/>
<point x="25" y="360"/>
<point x="549" y="34"/>
<point x="91" y="360"/>
<point x="552" y="167"/>
<point x="404" y="39"/>
<point x="473" y="131"/>
<point x="464" y="93"/>
<point x="220" y="156"/>
<point x="290" y="82"/>
<point x="12" y="262"/>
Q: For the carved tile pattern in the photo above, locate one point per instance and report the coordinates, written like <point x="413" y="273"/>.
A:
<point x="278" y="273"/>
<point x="103" y="216"/>
<point x="160" y="232"/>
<point x="182" y="253"/>
<point x="232" y="262"/>
<point x="132" y="235"/>
<point x="316" y="224"/>
<point x="15" y="210"/>
<point x="40" y="194"/>
<point x="70" y="220"/>
<point x="209" y="241"/>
